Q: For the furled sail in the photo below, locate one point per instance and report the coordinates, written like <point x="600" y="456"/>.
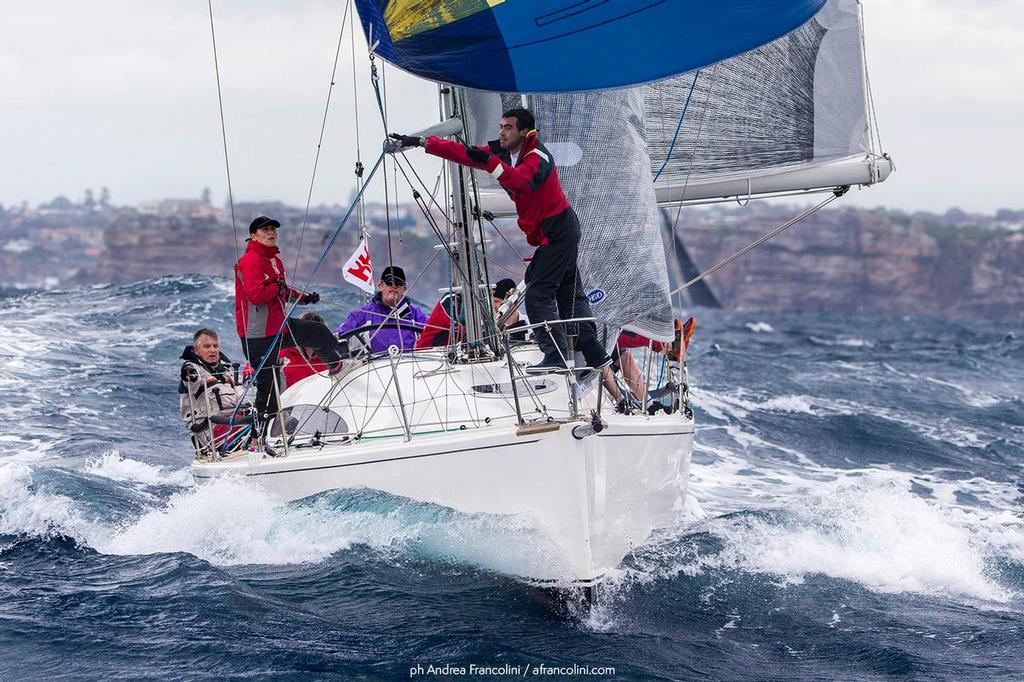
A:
<point x="569" y="45"/>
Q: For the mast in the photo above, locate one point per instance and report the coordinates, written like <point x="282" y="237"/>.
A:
<point x="466" y="249"/>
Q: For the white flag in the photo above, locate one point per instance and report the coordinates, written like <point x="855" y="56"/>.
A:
<point x="358" y="268"/>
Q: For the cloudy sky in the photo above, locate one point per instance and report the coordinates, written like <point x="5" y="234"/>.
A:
<point x="121" y="93"/>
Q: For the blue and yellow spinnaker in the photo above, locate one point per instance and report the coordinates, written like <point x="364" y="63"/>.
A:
<point x="569" y="45"/>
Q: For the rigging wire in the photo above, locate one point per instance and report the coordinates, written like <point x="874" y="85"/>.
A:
<point x="316" y="267"/>
<point x="836" y="193"/>
<point x="875" y="132"/>
<point x="224" y="141"/>
<point x="504" y="238"/>
<point x="320" y="140"/>
<point x="361" y="213"/>
<point x="689" y="171"/>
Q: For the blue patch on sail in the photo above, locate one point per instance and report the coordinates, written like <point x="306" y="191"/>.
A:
<point x="596" y="296"/>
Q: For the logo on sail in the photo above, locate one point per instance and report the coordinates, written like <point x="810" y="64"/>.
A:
<point x="596" y="296"/>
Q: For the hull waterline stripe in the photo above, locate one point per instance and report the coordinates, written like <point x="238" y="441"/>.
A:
<point x="379" y="461"/>
<point x="644" y="435"/>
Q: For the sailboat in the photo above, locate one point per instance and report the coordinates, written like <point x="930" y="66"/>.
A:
<point x="464" y="426"/>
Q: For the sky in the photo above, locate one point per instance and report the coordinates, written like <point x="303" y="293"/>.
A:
<point x="123" y="94"/>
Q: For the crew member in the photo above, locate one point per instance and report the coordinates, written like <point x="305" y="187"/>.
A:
<point x="388" y="308"/>
<point x="261" y="294"/>
<point x="526" y="170"/>
<point x="297" y="363"/>
<point x="206" y="392"/>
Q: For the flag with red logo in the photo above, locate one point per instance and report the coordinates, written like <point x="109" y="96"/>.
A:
<point x="358" y="269"/>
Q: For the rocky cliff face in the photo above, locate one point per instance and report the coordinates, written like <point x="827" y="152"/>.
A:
<point x="860" y="261"/>
<point x="843" y="259"/>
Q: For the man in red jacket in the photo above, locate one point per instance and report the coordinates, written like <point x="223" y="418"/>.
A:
<point x="526" y="170"/>
<point x="261" y="294"/>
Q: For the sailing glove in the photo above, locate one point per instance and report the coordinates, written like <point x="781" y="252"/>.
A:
<point x="476" y="154"/>
<point x="407" y="140"/>
<point x="309" y="299"/>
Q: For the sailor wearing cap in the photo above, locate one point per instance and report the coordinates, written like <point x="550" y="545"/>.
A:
<point x="262" y="298"/>
<point x="389" y="305"/>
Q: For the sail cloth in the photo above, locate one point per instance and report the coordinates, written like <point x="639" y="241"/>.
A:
<point x="790" y="115"/>
<point x="597" y="139"/>
<point x="569" y="45"/>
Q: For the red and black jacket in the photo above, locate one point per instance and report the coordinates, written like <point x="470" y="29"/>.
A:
<point x="532" y="183"/>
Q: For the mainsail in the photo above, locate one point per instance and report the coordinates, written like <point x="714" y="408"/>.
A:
<point x="791" y="115"/>
<point x="554" y="45"/>
<point x="597" y="139"/>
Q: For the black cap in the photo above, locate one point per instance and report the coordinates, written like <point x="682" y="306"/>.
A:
<point x="262" y="221"/>
<point x="393" y="275"/>
<point x="502" y="288"/>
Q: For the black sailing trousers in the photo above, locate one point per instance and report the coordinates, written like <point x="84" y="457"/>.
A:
<point x="302" y="333"/>
<point x="554" y="291"/>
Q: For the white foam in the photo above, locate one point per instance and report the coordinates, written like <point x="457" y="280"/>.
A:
<point x="740" y="403"/>
<point x="30" y="512"/>
<point x="229" y="521"/>
<point x="760" y="327"/>
<point x="852" y="342"/>
<point x="882" y="537"/>
<point x="117" y="468"/>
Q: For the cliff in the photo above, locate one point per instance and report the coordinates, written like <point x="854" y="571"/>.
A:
<point x="844" y="259"/>
<point x="862" y="261"/>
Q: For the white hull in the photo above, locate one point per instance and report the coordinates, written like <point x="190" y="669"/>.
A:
<point x="595" y="497"/>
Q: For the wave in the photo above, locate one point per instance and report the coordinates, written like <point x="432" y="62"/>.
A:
<point x="117" y="468"/>
<point x="881" y="537"/>
<point x="230" y="521"/>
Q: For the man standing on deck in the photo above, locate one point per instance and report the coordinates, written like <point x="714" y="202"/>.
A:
<point x="261" y="294"/>
<point x="526" y="170"/>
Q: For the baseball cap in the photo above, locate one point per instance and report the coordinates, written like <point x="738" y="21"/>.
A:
<point x="262" y="221"/>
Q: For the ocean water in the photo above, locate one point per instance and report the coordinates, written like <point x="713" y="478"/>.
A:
<point x="855" y="512"/>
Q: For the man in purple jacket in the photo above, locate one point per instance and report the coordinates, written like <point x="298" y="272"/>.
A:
<point x="388" y="306"/>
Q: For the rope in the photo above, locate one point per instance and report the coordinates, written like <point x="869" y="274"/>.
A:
<point x="320" y="140"/>
<point x="679" y="127"/>
<point x="876" y="133"/>
<point x="224" y="141"/>
<point x="505" y="239"/>
<point x="360" y="216"/>
<point x="753" y="245"/>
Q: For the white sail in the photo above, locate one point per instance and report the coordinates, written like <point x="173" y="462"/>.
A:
<point x="597" y="139"/>
<point x="791" y="115"/>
